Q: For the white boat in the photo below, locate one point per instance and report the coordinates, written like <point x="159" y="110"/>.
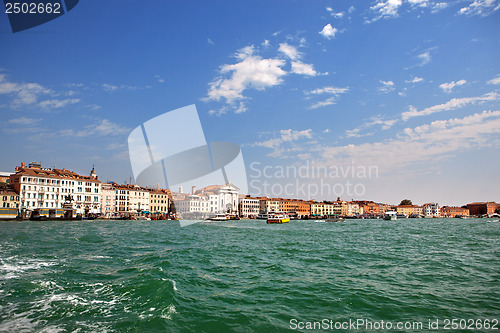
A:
<point x="278" y="218"/>
<point x="142" y="218"/>
<point x="390" y="215"/>
<point x="219" y="217"/>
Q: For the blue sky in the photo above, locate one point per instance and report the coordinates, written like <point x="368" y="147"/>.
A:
<point x="409" y="86"/>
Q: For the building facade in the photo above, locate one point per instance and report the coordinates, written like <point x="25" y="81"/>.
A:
<point x="47" y="189"/>
<point x="448" y="211"/>
<point x="248" y="206"/>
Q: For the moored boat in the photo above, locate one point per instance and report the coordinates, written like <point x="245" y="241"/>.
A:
<point x="335" y="219"/>
<point x="219" y="217"/>
<point x="390" y="215"/>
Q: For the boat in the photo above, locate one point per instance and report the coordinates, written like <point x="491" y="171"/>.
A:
<point x="390" y="215"/>
<point x="278" y="218"/>
<point x="142" y="218"/>
<point x="219" y="217"/>
<point x="401" y="216"/>
<point x="335" y="219"/>
<point x="319" y="221"/>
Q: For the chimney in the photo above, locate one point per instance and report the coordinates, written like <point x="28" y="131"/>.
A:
<point x="193" y="189"/>
<point x="23" y="165"/>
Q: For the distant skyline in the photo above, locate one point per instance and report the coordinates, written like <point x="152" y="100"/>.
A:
<point x="410" y="87"/>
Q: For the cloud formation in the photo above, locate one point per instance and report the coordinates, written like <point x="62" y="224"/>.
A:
<point x="448" y="87"/>
<point x="329" y="90"/>
<point x="328" y="31"/>
<point x="452" y="104"/>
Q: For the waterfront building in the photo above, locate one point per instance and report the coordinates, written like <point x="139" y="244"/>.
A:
<point x="325" y="209"/>
<point x="138" y="200"/>
<point x="122" y="200"/>
<point x="483" y="208"/>
<point x="431" y="210"/>
<point x="9" y="204"/>
<point x="248" y="206"/>
<point x="369" y="208"/>
<point x="5" y="177"/>
<point x="448" y="211"/>
<point x="268" y="205"/>
<point x="46" y="189"/>
<point x="108" y="200"/>
<point x="409" y="210"/>
<point x="348" y="208"/>
<point x="193" y="207"/>
<point x="159" y="201"/>
<point x="300" y="207"/>
<point x="9" y="198"/>
<point x="222" y="198"/>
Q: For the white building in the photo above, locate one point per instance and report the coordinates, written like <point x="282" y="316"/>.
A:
<point x="431" y="209"/>
<point x="222" y="198"/>
<point x="46" y="189"/>
<point x="248" y="206"/>
<point x="108" y="202"/>
<point x="138" y="199"/>
<point x="193" y="207"/>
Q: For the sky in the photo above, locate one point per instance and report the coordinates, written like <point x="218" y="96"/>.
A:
<point x="366" y="100"/>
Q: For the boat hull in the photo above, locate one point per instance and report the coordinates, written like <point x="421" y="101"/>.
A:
<point x="274" y="221"/>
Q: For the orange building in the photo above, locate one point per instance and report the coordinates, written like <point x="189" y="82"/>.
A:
<point x="447" y="211"/>
<point x="483" y="208"/>
<point x="301" y="207"/>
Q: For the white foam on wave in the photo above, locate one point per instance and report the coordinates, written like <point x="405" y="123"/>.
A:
<point x="168" y="312"/>
<point x="174" y="284"/>
<point x="12" y="267"/>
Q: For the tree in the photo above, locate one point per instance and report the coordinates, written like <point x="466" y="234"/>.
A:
<point x="406" y="202"/>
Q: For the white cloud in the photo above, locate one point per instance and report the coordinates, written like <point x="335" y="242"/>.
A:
<point x="290" y="51"/>
<point x="23" y="121"/>
<point x="327" y="90"/>
<point x="252" y="72"/>
<point x="421" y="144"/>
<point x="103" y="127"/>
<point x="335" y="91"/>
<point x="448" y="87"/>
<point x="326" y="102"/>
<point x="26" y="93"/>
<point x="388" y="8"/>
<point x="420" y="3"/>
<point x="266" y="43"/>
<point x="481" y="7"/>
<point x="495" y="80"/>
<point x="299" y="67"/>
<point x="452" y="104"/>
<point x="58" y="103"/>
<point x="438" y="6"/>
<point x="328" y="31"/>
<point x="209" y="41"/>
<point x="159" y="78"/>
<point x="286" y="136"/>
<point x="387" y="86"/>
<point x="416" y="79"/>
<point x="375" y="120"/>
<point x="109" y="87"/>
<point x="424" y="58"/>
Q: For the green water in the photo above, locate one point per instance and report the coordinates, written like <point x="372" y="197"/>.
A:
<point x="244" y="276"/>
